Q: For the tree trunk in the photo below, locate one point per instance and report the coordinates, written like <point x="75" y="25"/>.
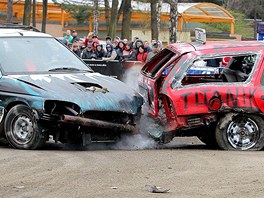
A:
<point x="34" y="13"/>
<point x="154" y="21"/>
<point x="96" y="15"/>
<point x="120" y="10"/>
<point x="159" y="6"/>
<point x="107" y="15"/>
<point x="126" y="33"/>
<point x="44" y="15"/>
<point x="113" y="21"/>
<point x="27" y="12"/>
<point x="173" y="20"/>
<point x="9" y="11"/>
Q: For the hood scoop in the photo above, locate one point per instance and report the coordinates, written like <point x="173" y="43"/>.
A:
<point x="92" y="87"/>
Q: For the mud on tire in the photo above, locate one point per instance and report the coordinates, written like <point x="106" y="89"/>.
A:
<point x="240" y="132"/>
<point x="21" y="128"/>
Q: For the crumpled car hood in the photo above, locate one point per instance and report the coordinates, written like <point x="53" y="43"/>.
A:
<point x="91" y="91"/>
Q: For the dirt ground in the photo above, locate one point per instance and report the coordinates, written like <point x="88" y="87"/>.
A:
<point x="184" y="166"/>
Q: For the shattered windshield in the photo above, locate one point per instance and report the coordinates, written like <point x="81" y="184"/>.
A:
<point x="36" y="54"/>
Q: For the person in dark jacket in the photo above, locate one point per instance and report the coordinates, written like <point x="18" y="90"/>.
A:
<point x="110" y="53"/>
<point x="99" y="51"/>
<point x="88" y="53"/>
<point x="75" y="48"/>
<point x="129" y="53"/>
<point x="120" y="49"/>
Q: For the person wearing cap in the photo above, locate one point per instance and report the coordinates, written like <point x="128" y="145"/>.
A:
<point x="75" y="36"/>
<point x="155" y="50"/>
<point x="88" y="53"/>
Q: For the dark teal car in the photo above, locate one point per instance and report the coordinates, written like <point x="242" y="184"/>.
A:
<point x="47" y="91"/>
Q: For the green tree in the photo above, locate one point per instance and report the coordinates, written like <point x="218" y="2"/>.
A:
<point x="241" y="26"/>
<point x="81" y="12"/>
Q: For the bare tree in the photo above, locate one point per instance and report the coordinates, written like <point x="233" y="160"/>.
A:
<point x="173" y="20"/>
<point x="96" y="15"/>
<point x="44" y="15"/>
<point x="9" y="11"/>
<point x="113" y="21"/>
<point x="154" y="21"/>
<point x="159" y="6"/>
<point x="27" y="12"/>
<point x="107" y="15"/>
<point x="34" y="13"/>
<point x="127" y="9"/>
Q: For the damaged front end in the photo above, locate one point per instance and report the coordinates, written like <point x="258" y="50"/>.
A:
<point x="68" y="123"/>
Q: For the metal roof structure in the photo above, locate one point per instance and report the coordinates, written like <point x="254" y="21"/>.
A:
<point x="194" y="12"/>
<point x="204" y="12"/>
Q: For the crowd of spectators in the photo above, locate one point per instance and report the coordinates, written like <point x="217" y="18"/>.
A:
<point x="115" y="49"/>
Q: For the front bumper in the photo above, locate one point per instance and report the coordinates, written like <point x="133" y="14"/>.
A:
<point x="88" y="122"/>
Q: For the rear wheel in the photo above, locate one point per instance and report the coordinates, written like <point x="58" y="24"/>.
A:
<point x="240" y="132"/>
<point x="21" y="128"/>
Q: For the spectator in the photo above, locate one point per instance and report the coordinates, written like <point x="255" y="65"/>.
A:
<point x="120" y="49"/>
<point x="108" y="39"/>
<point x="88" y="39"/>
<point x="68" y="37"/>
<point x="110" y="52"/>
<point x="142" y="54"/>
<point x="154" y="51"/>
<point x="88" y="53"/>
<point x="160" y="44"/>
<point x="138" y="43"/>
<point x="76" y="49"/>
<point x="117" y="39"/>
<point x="146" y="46"/>
<point x="151" y="44"/>
<point x="94" y="43"/>
<point x="75" y="36"/>
<point x="99" y="51"/>
<point x="125" y="41"/>
<point x="129" y="53"/>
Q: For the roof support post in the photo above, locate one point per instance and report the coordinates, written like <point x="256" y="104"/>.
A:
<point x="232" y="27"/>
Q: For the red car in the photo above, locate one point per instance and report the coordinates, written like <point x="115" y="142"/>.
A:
<point x="223" y="108"/>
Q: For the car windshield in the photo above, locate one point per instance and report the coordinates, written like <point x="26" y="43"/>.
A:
<point x="37" y="54"/>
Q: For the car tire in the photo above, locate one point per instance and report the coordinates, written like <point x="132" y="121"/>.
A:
<point x="240" y="132"/>
<point x="21" y="128"/>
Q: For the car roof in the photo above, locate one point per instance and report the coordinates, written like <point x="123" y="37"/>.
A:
<point x="215" y="45"/>
<point x="7" y="32"/>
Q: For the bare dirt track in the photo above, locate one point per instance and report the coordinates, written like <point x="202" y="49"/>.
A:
<point x="186" y="167"/>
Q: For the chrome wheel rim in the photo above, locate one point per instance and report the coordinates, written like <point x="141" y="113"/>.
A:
<point x="22" y="130"/>
<point x="243" y="133"/>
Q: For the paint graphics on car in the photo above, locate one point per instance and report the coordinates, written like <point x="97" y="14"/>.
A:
<point x="191" y="87"/>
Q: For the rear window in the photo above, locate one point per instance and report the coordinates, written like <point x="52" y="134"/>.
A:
<point x="155" y="64"/>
